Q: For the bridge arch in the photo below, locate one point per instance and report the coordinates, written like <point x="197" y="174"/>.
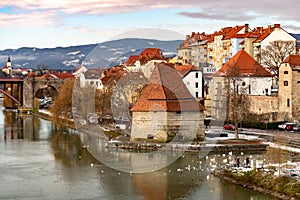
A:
<point x="10" y="96"/>
<point x="46" y="91"/>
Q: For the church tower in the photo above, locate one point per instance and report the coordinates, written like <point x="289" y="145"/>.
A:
<point x="8" y="64"/>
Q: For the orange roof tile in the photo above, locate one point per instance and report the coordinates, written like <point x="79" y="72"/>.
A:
<point x="294" y="61"/>
<point x="131" y="59"/>
<point x="185" y="69"/>
<point x="166" y="92"/>
<point x="151" y="52"/>
<point x="242" y="64"/>
<point x="263" y="34"/>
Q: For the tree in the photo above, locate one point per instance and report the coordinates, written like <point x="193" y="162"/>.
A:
<point x="237" y="101"/>
<point x="274" y="54"/>
<point x="62" y="104"/>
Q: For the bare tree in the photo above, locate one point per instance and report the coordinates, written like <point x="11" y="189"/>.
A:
<point x="273" y="54"/>
<point x="238" y="102"/>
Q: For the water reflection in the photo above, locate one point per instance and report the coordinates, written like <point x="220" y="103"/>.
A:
<point x="24" y="126"/>
<point x="47" y="163"/>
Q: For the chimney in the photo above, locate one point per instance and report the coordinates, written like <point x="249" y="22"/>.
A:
<point x="276" y="25"/>
<point x="246" y="28"/>
<point x="269" y="27"/>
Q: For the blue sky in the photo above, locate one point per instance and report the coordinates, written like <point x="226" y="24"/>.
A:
<point x="52" y="23"/>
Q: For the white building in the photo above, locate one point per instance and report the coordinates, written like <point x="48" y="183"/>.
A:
<point x="271" y="34"/>
<point x="251" y="77"/>
<point x="89" y="77"/>
<point x="192" y="77"/>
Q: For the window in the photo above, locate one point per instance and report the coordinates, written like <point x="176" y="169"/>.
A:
<point x="196" y="75"/>
<point x="178" y="112"/>
<point x="249" y="89"/>
<point x="286" y="72"/>
<point x="188" y="83"/>
<point x="285" y="83"/>
<point x="196" y="85"/>
<point x="197" y="94"/>
<point x="288" y="102"/>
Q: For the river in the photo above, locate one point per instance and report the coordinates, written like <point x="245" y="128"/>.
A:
<point x="39" y="162"/>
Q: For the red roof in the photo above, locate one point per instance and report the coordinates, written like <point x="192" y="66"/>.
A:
<point x="131" y="60"/>
<point x="145" y="56"/>
<point x="56" y="76"/>
<point x="165" y="92"/>
<point x="242" y="64"/>
<point x="263" y="33"/>
<point x="185" y="69"/>
<point x="294" y="61"/>
<point x="151" y="52"/>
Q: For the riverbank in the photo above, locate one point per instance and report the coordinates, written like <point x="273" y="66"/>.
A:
<point x="225" y="147"/>
<point x="281" y="187"/>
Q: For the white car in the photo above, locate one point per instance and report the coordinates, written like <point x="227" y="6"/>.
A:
<point x="283" y="126"/>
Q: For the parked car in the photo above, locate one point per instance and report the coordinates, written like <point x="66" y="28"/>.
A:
<point x="292" y="127"/>
<point x="289" y="126"/>
<point x="282" y="126"/>
<point x="229" y="127"/>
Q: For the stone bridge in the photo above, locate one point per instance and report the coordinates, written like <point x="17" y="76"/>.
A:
<point x="32" y="88"/>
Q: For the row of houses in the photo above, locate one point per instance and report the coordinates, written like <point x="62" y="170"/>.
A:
<point x="256" y="82"/>
<point x="212" y="51"/>
<point x="166" y="106"/>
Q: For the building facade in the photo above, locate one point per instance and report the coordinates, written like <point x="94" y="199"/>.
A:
<point x="166" y="110"/>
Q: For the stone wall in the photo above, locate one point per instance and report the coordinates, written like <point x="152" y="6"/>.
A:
<point x="31" y="86"/>
<point x="163" y="126"/>
<point x="264" y="107"/>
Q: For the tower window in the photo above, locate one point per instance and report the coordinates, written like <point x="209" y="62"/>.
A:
<point x="285" y="83"/>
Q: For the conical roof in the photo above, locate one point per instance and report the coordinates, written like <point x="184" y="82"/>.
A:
<point x="242" y="64"/>
<point x="166" y="91"/>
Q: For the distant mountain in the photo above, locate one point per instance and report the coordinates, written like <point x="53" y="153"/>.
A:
<point x="106" y="54"/>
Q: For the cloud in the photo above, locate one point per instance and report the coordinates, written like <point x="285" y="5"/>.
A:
<point x="218" y="16"/>
<point x="233" y="10"/>
<point x="29" y="20"/>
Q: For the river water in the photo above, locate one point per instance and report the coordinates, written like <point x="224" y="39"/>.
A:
<point x="39" y="162"/>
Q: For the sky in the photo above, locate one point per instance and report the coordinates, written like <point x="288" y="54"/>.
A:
<point x="53" y="23"/>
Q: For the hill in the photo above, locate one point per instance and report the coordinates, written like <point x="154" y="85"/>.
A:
<point x="106" y="54"/>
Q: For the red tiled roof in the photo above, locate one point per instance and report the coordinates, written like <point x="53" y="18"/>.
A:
<point x="294" y="61"/>
<point x="56" y="76"/>
<point x="145" y="56"/>
<point x="64" y="75"/>
<point x="242" y="64"/>
<point x="185" y="69"/>
<point x="131" y="59"/>
<point x="31" y="74"/>
<point x="263" y="33"/>
<point x="151" y="52"/>
<point x="165" y="91"/>
<point x="112" y="74"/>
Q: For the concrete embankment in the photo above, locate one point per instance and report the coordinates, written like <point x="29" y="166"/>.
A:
<point x="193" y="147"/>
